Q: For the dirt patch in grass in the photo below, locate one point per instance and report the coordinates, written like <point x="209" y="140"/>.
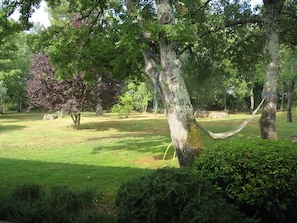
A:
<point x="148" y="160"/>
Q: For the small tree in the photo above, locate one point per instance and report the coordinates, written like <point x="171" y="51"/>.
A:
<point x="124" y="106"/>
<point x="3" y="92"/>
<point x="141" y="95"/>
<point x="137" y="97"/>
<point x="71" y="95"/>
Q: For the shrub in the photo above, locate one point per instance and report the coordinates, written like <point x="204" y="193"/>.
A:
<point x="259" y="176"/>
<point x="124" y="107"/>
<point x="94" y="216"/>
<point x="173" y="195"/>
<point x="32" y="203"/>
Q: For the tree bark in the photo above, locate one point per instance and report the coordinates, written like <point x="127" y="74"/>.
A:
<point x="76" y="119"/>
<point x="291" y="87"/>
<point x="271" y="19"/>
<point x="282" y="97"/>
<point x="185" y="134"/>
<point x="1" y="106"/>
<point x="163" y="58"/>
<point x="252" y="100"/>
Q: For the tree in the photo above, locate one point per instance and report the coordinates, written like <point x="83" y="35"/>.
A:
<point x="3" y="92"/>
<point x="136" y="96"/>
<point x="183" y="129"/>
<point x="271" y="22"/>
<point x="205" y="80"/>
<point x="71" y="95"/>
<point x="14" y="65"/>
<point x="141" y="93"/>
<point x="162" y="56"/>
<point x="225" y="56"/>
<point x="156" y="40"/>
<point x="124" y="105"/>
<point x="8" y="27"/>
<point x="288" y="77"/>
<point x="26" y="9"/>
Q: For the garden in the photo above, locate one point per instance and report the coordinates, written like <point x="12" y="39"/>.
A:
<point x="48" y="169"/>
<point x="128" y="63"/>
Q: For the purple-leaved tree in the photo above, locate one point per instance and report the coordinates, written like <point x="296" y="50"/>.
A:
<point x="71" y="95"/>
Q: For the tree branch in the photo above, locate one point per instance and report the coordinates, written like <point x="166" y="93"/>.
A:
<point x="249" y="37"/>
<point x="222" y="27"/>
<point x="228" y="25"/>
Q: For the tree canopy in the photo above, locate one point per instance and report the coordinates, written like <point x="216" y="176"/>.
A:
<point x="72" y="95"/>
<point x="14" y="65"/>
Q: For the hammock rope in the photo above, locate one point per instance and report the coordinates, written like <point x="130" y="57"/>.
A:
<point x="233" y="131"/>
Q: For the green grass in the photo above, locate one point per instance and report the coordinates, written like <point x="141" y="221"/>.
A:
<point x="106" y="152"/>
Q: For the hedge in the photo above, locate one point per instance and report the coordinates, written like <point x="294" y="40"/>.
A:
<point x="175" y="196"/>
<point x="259" y="176"/>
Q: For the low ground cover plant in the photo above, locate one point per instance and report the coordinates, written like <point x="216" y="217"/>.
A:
<point x="259" y="176"/>
<point x="32" y="203"/>
<point x="174" y="195"/>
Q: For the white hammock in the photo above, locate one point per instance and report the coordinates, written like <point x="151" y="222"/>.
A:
<point x="225" y="135"/>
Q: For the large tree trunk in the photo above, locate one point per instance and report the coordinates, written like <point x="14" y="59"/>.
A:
<point x="163" y="58"/>
<point x="271" y="18"/>
<point x="184" y="132"/>
<point x="291" y="87"/>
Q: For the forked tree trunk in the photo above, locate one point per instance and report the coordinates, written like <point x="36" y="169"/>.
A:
<point x="291" y="87"/>
<point x="271" y="18"/>
<point x="76" y="119"/>
<point x="185" y="134"/>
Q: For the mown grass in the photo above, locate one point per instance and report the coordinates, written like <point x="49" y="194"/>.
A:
<point x="106" y="152"/>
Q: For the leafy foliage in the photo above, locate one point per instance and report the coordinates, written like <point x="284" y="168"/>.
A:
<point x="14" y="65"/>
<point x="142" y="95"/>
<point x="26" y="9"/>
<point x="259" y="176"/>
<point x="31" y="203"/>
<point x="8" y="27"/>
<point x="3" y="93"/>
<point x="173" y="195"/>
<point x="70" y="95"/>
<point x="124" y="106"/>
<point x="137" y="97"/>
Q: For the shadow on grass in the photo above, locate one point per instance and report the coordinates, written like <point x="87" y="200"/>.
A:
<point x="148" y="144"/>
<point x="149" y="126"/>
<point x="21" y="116"/>
<point x="149" y="135"/>
<point x="105" y="179"/>
<point x="7" y="128"/>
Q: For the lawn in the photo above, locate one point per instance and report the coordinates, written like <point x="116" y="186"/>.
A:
<point x="106" y="152"/>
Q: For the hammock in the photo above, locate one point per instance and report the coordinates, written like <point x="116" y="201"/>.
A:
<point x="232" y="132"/>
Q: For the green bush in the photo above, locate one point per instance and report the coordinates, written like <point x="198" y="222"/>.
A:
<point x="124" y="107"/>
<point x="31" y="203"/>
<point x="258" y="176"/>
<point x="173" y="195"/>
